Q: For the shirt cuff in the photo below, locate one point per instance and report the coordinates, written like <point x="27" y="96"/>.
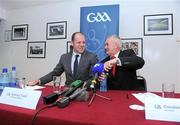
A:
<point x="39" y="82"/>
<point x="118" y="62"/>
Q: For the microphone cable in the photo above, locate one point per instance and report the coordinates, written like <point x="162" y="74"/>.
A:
<point x="43" y="108"/>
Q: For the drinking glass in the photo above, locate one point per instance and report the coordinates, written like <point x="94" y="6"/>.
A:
<point x="56" y="84"/>
<point x="168" y="90"/>
<point x="21" y="83"/>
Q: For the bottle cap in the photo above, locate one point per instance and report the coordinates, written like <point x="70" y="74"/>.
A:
<point x="4" y="70"/>
<point x="13" y="68"/>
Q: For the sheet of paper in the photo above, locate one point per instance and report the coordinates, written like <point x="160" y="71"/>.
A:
<point x="34" y="87"/>
<point x="141" y="96"/>
<point x="20" y="97"/>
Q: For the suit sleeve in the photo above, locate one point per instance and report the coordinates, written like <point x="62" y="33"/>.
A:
<point x="130" y="61"/>
<point x="57" y="71"/>
<point x="93" y="61"/>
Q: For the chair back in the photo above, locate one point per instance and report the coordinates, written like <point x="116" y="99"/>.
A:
<point x="141" y="84"/>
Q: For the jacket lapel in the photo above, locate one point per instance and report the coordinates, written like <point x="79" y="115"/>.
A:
<point x="69" y="63"/>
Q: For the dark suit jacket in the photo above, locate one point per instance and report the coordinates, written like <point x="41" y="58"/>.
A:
<point x="125" y="77"/>
<point x="87" y="61"/>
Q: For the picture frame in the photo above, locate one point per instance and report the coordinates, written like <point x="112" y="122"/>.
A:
<point x="19" y="32"/>
<point x="36" y="49"/>
<point x="56" y="30"/>
<point x="159" y="24"/>
<point x="69" y="46"/>
<point x="135" y="44"/>
<point x="7" y="35"/>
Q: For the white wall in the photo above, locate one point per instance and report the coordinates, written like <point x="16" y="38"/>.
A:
<point x="2" y="13"/>
<point x="161" y="53"/>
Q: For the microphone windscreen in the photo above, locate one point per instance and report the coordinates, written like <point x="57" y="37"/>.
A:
<point x="98" y="68"/>
<point x="83" y="96"/>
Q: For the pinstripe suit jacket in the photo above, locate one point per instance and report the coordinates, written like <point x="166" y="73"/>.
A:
<point x="87" y="60"/>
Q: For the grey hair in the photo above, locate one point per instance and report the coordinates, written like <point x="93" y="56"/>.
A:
<point x="116" y="39"/>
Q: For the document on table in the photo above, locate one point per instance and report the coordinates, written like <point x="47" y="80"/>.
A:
<point x="34" y="87"/>
<point x="141" y="96"/>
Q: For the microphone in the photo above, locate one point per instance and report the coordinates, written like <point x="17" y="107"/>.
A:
<point x="76" y="84"/>
<point x="79" y="93"/>
<point x="51" y="98"/>
<point x="63" y="102"/>
<point x="97" y="70"/>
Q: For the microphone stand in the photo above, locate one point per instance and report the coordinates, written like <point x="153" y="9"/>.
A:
<point x="95" y="94"/>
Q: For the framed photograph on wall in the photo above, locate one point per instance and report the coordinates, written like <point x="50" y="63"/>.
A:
<point x="135" y="44"/>
<point x="19" y="32"/>
<point x="56" y="30"/>
<point x="159" y="24"/>
<point x="69" y="46"/>
<point x="36" y="49"/>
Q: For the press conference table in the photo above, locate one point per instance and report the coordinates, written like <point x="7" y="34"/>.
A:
<point x="101" y="112"/>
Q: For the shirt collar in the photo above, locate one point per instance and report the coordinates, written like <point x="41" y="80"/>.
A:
<point x="74" y="53"/>
<point x="116" y="55"/>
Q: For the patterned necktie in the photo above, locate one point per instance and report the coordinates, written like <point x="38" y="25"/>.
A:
<point x="75" y="64"/>
<point x="113" y="68"/>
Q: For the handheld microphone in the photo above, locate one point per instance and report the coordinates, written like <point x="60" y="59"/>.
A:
<point x="51" y="98"/>
<point x="76" y="84"/>
<point x="63" y="102"/>
<point x="97" y="70"/>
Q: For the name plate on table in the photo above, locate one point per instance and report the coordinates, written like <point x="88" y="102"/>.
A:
<point x="20" y="97"/>
<point x="165" y="109"/>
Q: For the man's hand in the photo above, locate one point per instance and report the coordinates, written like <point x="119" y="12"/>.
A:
<point x="101" y="77"/>
<point x="108" y="65"/>
<point x="32" y="83"/>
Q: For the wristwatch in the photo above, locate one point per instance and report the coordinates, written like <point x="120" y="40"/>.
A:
<point x="118" y="62"/>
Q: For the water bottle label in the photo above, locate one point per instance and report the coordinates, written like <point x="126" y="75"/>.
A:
<point x="103" y="86"/>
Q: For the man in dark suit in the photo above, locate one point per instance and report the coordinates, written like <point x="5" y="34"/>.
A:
<point x="121" y="65"/>
<point x="73" y="71"/>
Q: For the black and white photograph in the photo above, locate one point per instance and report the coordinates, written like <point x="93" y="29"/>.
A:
<point x="36" y="49"/>
<point x="160" y="24"/>
<point x="19" y="32"/>
<point x="56" y="30"/>
<point x="134" y="44"/>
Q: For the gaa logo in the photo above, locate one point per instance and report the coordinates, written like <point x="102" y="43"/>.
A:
<point x="98" y="17"/>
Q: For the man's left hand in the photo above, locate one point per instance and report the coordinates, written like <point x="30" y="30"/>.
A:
<point x="108" y="65"/>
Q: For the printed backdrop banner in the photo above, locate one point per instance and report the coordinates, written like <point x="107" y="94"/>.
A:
<point x="98" y="22"/>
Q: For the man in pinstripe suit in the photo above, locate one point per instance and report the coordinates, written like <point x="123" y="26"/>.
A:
<point x="66" y="63"/>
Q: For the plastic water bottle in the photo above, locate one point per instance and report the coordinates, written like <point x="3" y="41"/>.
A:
<point x="5" y="79"/>
<point x="103" y="85"/>
<point x="13" y="77"/>
<point x="1" y="85"/>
